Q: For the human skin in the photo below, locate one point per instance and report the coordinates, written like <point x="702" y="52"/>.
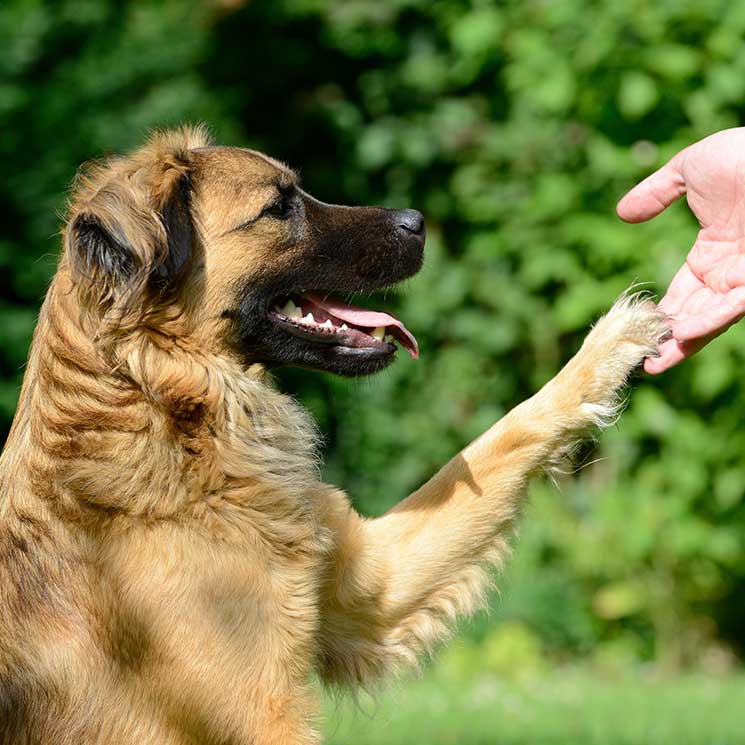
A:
<point x="707" y="295"/>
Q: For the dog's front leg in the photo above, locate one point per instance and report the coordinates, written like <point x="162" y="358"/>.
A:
<point x="398" y="581"/>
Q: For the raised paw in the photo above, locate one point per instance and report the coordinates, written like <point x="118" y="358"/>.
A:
<point x="615" y="347"/>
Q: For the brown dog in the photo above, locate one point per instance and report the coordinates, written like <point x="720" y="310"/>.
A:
<point x="172" y="570"/>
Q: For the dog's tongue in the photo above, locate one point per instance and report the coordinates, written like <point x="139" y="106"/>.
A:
<point x="371" y="319"/>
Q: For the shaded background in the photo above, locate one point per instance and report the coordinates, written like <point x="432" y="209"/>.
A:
<point x="514" y="126"/>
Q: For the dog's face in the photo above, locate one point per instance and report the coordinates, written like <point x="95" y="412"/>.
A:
<point x="275" y="256"/>
<point x="253" y="259"/>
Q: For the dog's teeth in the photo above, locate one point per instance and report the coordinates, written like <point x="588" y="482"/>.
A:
<point x="344" y="327"/>
<point x="327" y="324"/>
<point x="309" y="318"/>
<point x="378" y="333"/>
<point x="289" y="309"/>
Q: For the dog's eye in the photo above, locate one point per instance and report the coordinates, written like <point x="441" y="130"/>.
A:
<point x="281" y="209"/>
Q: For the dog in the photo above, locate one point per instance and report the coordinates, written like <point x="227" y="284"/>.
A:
<point x="172" y="568"/>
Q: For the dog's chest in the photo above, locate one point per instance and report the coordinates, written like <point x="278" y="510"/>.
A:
<point x="218" y="615"/>
<point x="230" y="596"/>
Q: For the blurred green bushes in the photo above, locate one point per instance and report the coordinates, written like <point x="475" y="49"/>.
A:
<point x="514" y="126"/>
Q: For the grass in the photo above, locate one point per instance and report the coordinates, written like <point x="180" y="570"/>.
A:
<point x="574" y="706"/>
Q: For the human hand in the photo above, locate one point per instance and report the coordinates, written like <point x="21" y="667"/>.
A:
<point x="707" y="295"/>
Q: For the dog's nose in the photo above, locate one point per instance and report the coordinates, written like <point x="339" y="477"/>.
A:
<point x="411" y="221"/>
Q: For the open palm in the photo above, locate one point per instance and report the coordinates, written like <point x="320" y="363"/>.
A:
<point x="707" y="295"/>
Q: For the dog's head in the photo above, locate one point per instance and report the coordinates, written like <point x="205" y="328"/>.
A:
<point x="227" y="240"/>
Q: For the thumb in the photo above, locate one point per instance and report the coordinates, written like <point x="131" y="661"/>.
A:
<point x="649" y="197"/>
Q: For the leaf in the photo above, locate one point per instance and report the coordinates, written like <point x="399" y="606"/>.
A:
<point x="637" y="95"/>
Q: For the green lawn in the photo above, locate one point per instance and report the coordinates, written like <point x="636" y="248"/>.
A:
<point x="564" y="707"/>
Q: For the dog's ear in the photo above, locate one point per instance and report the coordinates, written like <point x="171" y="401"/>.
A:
<point x="131" y="233"/>
<point x="100" y="253"/>
<point x="126" y="242"/>
<point x="175" y="216"/>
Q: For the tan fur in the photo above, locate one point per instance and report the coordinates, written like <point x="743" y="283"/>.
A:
<point x="172" y="569"/>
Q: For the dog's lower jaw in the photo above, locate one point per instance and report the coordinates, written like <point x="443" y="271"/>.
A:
<point x="294" y="352"/>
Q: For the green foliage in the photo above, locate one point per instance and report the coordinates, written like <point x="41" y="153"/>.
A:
<point x="514" y="126"/>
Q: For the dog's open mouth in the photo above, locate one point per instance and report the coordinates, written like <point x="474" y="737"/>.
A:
<point x="327" y="320"/>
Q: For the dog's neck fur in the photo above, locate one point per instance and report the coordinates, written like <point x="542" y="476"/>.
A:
<point x="213" y="425"/>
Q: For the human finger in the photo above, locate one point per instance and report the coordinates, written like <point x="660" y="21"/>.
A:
<point x="713" y="319"/>
<point x="656" y="192"/>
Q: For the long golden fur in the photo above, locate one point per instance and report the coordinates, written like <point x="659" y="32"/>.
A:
<point x="172" y="569"/>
